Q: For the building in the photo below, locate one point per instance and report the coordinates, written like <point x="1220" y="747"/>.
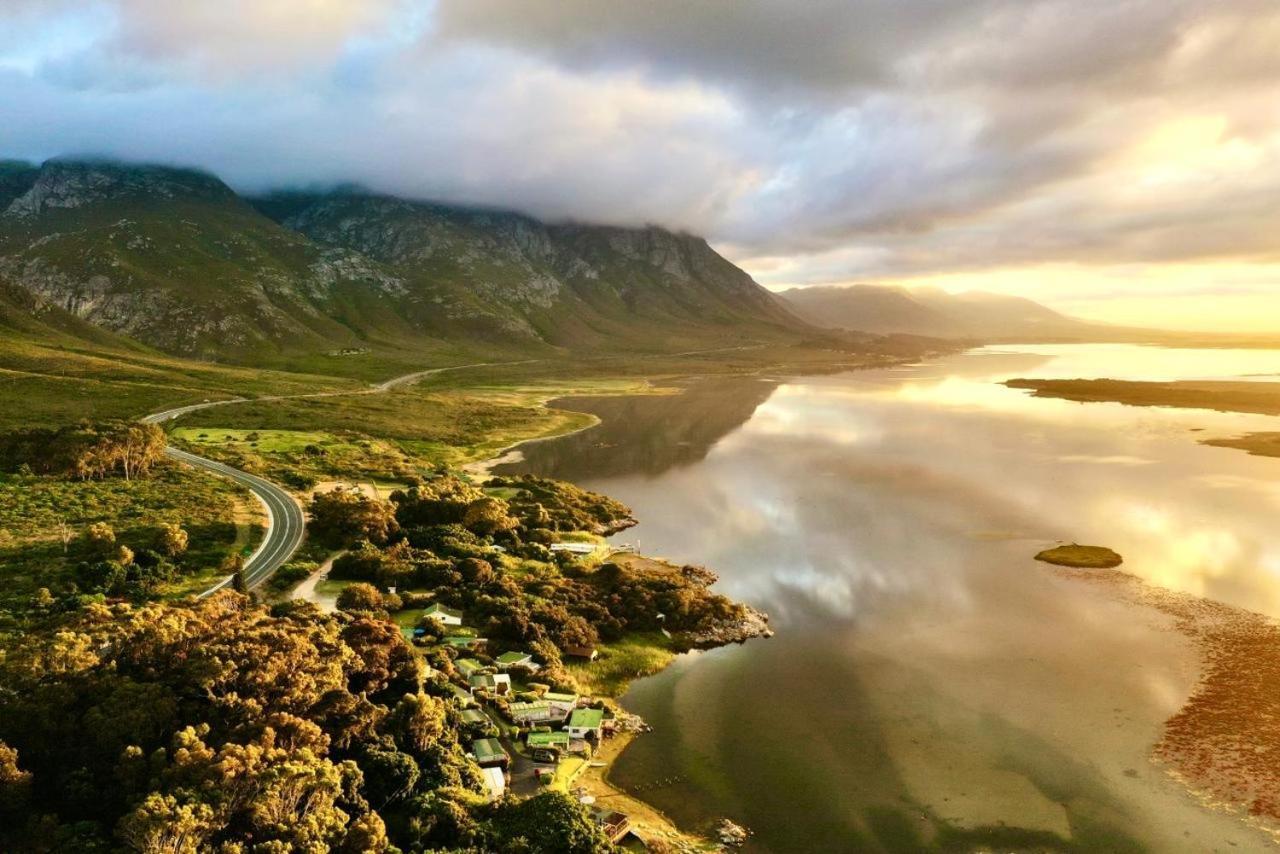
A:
<point x="548" y="746"/>
<point x="516" y="659"/>
<point x="586" y="723"/>
<point x="614" y="824"/>
<point x="473" y="716"/>
<point x="561" y="704"/>
<point x="489" y="753"/>
<point x="497" y="683"/>
<point x="468" y="667"/>
<point x="495" y="781"/>
<point x="445" y="616"/>
<point x="537" y="712"/>
<point x="575" y="548"/>
<point x="465" y="642"/>
<point x="590" y="653"/>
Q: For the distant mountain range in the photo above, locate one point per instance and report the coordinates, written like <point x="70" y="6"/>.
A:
<point x="936" y="313"/>
<point x="177" y="260"/>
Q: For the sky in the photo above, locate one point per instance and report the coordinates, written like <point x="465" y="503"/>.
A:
<point x="1117" y="159"/>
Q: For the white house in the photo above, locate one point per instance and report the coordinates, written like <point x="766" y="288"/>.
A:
<point x="445" y="616"/>
<point x="586" y="723"/>
<point x="495" y="781"/>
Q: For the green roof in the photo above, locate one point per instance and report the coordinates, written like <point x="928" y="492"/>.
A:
<point x="473" y="716"/>
<point x="513" y="657"/>
<point x="548" y="739"/>
<point x="463" y="640"/>
<point x="436" y="608"/>
<point x="528" y="707"/>
<point x="553" y="697"/>
<point x="486" y="749"/>
<point x="586" y="718"/>
<point x="467" y="666"/>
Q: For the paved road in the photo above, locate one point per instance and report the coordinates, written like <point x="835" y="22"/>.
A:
<point x="286" y="524"/>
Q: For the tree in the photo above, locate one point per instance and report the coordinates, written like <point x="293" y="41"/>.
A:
<point x="360" y="597"/>
<point x="172" y="540"/>
<point x="100" y="538"/>
<point x="342" y="516"/>
<point x="162" y="824"/>
<point x="548" y="823"/>
<point x="488" y="516"/>
<point x="15" y="784"/>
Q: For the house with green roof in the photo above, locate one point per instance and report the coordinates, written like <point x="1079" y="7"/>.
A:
<point x="561" y="703"/>
<point x="473" y="716"/>
<point x="547" y="746"/>
<point x="498" y="683"/>
<point x="516" y="659"/>
<point x="586" y="723"/>
<point x="445" y="616"/>
<point x="489" y="753"/>
<point x="537" y="712"/>
<point x="468" y="667"/>
<point x="464" y="642"/>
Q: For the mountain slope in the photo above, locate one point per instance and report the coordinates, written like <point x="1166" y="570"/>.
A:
<point x="932" y="312"/>
<point x="575" y="286"/>
<point x="177" y="260"/>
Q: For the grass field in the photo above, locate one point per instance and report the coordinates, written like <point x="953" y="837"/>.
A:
<point x="621" y="662"/>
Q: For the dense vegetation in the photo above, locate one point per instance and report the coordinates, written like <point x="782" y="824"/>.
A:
<point x="222" y="726"/>
<point x="84" y="450"/>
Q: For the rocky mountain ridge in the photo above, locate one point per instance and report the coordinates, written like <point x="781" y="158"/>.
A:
<point x="177" y="260"/>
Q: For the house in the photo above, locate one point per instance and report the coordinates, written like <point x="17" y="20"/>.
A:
<point x="575" y="548"/>
<point x="468" y="667"/>
<point x="489" y="753"/>
<point x="586" y="723"/>
<point x="614" y="824"/>
<point x="497" y="683"/>
<point x="590" y="653"/>
<point x="548" y="746"/>
<point x="465" y="642"/>
<point x="561" y="704"/>
<point x="473" y="716"/>
<point x="445" y="616"/>
<point x="495" y="781"/>
<point x="516" y="659"/>
<point x="537" y="712"/>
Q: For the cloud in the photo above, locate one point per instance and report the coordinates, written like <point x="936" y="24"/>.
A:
<point x="824" y="141"/>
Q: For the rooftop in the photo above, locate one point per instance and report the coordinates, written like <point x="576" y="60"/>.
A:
<point x="548" y="739"/>
<point x="513" y="657"/>
<point x="436" y="608"/>
<point x="486" y="749"/>
<point x="473" y="716"/>
<point x="586" y="718"/>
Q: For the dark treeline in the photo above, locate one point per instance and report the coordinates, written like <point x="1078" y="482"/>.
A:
<point x="84" y="450"/>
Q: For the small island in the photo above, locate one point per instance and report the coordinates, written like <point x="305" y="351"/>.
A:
<point x="1081" y="557"/>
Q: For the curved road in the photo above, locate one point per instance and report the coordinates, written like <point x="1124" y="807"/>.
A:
<point x="286" y="524"/>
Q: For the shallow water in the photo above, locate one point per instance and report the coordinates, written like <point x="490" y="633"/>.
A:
<point x="930" y="685"/>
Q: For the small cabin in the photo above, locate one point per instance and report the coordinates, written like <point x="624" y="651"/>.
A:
<point x="588" y="653"/>
<point x="445" y="616"/>
<point x="586" y="723"/>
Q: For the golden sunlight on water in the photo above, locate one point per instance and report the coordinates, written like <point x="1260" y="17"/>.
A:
<point x="930" y="684"/>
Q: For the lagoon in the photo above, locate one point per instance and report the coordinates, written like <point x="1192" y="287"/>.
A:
<point x="931" y="686"/>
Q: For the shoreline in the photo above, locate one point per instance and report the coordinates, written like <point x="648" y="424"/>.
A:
<point x="1221" y="743"/>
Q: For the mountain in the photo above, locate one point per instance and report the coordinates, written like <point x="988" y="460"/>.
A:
<point x="175" y="259"/>
<point x="932" y="312"/>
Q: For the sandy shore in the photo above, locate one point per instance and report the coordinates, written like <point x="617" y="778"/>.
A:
<point x="1224" y="743"/>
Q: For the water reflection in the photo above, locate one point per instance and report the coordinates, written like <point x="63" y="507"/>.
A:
<point x="930" y="684"/>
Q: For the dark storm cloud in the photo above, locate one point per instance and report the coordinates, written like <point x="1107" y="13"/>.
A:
<point x="877" y="138"/>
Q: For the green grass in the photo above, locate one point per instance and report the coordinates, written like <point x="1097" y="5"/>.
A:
<point x="621" y="662"/>
<point x="212" y="510"/>
<point x="1081" y="557"/>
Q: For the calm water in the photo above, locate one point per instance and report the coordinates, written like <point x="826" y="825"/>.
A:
<point x="930" y="685"/>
